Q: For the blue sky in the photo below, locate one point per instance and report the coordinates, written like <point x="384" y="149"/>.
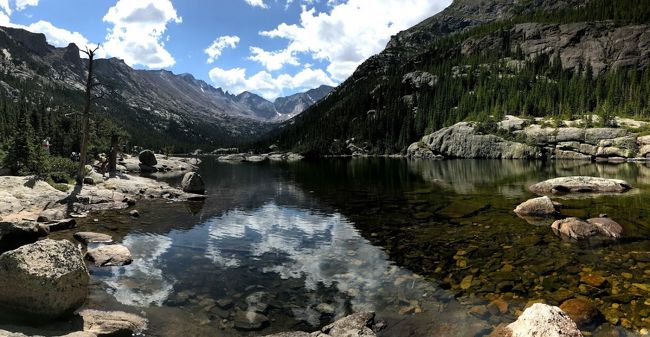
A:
<point x="270" y="47"/>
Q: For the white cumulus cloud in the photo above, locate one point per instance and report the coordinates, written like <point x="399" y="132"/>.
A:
<point x="257" y="3"/>
<point x="138" y="32"/>
<point x="236" y="81"/>
<point x="350" y="31"/>
<point x="22" y="4"/>
<point x="273" y="60"/>
<point x="217" y="47"/>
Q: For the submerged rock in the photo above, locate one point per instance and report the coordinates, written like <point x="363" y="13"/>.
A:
<point x="607" y="226"/>
<point x="250" y="320"/>
<point x="581" y="310"/>
<point x="542" y="206"/>
<point x="193" y="183"/>
<point x="578" y="229"/>
<point x="580" y="184"/>
<point x="47" y="279"/>
<point x="575" y="228"/>
<point x="111" y="255"/>
<point x="90" y="237"/>
<point x="540" y="320"/>
<point x="112" y="323"/>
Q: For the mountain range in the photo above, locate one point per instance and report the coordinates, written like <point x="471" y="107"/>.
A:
<point x="169" y="105"/>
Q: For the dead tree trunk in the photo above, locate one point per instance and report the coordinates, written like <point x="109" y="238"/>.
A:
<point x="112" y="156"/>
<point x="81" y="173"/>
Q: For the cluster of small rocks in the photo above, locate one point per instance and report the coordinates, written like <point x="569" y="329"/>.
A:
<point x="538" y="209"/>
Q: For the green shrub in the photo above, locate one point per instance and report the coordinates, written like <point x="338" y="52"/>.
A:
<point x="62" y="170"/>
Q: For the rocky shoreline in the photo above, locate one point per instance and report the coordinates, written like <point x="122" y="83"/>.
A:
<point x="518" y="138"/>
<point x="47" y="280"/>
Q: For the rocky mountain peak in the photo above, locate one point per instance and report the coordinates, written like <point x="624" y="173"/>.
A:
<point x="463" y="14"/>
<point x="34" y="42"/>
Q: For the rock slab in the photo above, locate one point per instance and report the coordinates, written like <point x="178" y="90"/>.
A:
<point x="580" y="184"/>
<point x="112" y="323"/>
<point x="91" y="237"/>
<point x="110" y="255"/>
<point x="47" y="279"/>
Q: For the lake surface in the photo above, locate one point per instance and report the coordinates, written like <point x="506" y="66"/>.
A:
<point x="293" y="246"/>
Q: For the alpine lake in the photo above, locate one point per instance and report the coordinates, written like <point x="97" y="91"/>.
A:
<point x="433" y="247"/>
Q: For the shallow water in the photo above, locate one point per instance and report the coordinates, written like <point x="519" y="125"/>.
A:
<point x="305" y="243"/>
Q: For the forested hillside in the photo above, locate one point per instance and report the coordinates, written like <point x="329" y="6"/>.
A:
<point x="567" y="62"/>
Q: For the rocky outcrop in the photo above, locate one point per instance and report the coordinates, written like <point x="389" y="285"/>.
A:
<point x="359" y="324"/>
<point x="540" y="207"/>
<point x="110" y="255"/>
<point x="540" y="320"/>
<point x="580" y="184"/>
<point x="112" y="323"/>
<point x="521" y="138"/>
<point x="193" y="183"/>
<point x="47" y="279"/>
<point x="420" y="79"/>
<point x="463" y="141"/>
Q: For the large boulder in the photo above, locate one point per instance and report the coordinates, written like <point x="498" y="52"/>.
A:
<point x="193" y="183"/>
<point x="540" y="320"/>
<point x="47" y="279"/>
<point x="580" y="184"/>
<point x="542" y="206"/>
<point x="110" y="255"/>
<point x="112" y="323"/>
<point x="148" y="158"/>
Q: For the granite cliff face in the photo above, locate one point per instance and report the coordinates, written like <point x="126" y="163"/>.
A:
<point x="602" y="45"/>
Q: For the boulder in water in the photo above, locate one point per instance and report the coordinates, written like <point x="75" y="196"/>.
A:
<point x="110" y="255"/>
<point x="193" y="183"/>
<point x="580" y="184"/>
<point x="542" y="206"/>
